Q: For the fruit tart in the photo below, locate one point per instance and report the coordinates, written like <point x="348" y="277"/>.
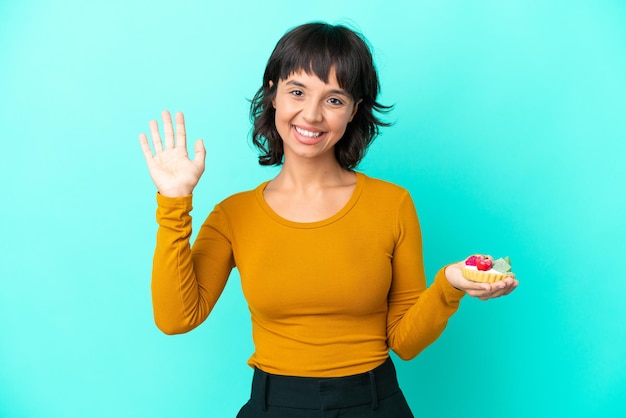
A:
<point x="484" y="269"/>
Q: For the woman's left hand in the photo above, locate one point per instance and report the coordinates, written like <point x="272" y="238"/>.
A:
<point x="482" y="291"/>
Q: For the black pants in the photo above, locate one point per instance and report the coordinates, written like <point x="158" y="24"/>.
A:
<point x="374" y="394"/>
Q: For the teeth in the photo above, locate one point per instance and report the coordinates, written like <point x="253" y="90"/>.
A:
<point x="308" y="134"/>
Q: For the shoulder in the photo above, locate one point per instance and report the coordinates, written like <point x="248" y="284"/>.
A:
<point x="387" y="199"/>
<point x="235" y="209"/>
<point x="389" y="204"/>
<point x="242" y="200"/>
<point x="383" y="189"/>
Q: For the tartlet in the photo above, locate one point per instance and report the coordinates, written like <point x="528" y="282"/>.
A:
<point x="483" y="268"/>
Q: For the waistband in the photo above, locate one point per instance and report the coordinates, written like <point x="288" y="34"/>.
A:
<point x="325" y="393"/>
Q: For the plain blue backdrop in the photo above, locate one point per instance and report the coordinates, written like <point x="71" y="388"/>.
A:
<point x="509" y="131"/>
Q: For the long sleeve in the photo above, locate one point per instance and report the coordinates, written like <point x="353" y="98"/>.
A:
<point x="186" y="282"/>
<point x="417" y="315"/>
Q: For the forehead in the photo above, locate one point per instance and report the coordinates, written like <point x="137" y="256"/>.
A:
<point x="311" y="80"/>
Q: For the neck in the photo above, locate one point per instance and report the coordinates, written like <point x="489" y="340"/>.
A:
<point x="312" y="174"/>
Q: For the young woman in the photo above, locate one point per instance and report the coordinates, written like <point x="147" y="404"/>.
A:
<point x="330" y="259"/>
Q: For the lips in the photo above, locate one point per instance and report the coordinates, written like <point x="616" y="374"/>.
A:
<point x="307" y="136"/>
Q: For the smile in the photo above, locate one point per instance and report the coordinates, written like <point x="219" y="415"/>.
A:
<point x="308" y="134"/>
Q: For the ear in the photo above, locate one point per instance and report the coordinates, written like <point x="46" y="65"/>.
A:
<point x="354" y="109"/>
<point x="271" y="84"/>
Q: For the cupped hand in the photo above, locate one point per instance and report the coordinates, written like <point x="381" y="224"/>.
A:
<point x="482" y="291"/>
<point x="173" y="173"/>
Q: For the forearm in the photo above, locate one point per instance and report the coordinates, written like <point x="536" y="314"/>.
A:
<point x="424" y="321"/>
<point x="175" y="292"/>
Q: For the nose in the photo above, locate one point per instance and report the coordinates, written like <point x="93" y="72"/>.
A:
<point x="312" y="111"/>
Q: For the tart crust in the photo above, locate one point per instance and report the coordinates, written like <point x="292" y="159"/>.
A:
<point x="483" y="276"/>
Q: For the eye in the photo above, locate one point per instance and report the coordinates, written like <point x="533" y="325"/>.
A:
<point x="297" y="93"/>
<point x="335" y="101"/>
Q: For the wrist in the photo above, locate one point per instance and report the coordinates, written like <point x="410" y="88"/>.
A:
<point x="176" y="192"/>
<point x="450" y="274"/>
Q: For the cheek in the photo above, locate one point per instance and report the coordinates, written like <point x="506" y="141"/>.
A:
<point x="283" y="111"/>
<point x="340" y="123"/>
<point x="279" y="115"/>
<point x="282" y="120"/>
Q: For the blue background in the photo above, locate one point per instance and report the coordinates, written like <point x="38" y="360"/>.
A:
<point x="509" y="132"/>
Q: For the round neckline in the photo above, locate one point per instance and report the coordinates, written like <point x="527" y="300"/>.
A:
<point x="356" y="193"/>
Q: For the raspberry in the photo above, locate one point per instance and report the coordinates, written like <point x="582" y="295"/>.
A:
<point x="483" y="263"/>
<point x="471" y="261"/>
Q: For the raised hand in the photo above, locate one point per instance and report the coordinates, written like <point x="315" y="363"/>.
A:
<point x="173" y="173"/>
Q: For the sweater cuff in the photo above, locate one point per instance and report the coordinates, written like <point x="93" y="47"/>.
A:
<point x="451" y="294"/>
<point x="174" y="202"/>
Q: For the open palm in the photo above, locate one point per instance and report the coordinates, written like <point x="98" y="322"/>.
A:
<point x="173" y="173"/>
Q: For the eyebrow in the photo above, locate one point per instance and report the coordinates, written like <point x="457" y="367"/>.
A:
<point x="333" y="91"/>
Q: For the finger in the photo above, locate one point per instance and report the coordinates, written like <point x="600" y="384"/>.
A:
<point x="484" y="291"/>
<point x="480" y="294"/>
<point x="500" y="288"/>
<point x="168" y="129"/>
<point x="472" y="286"/>
<point x="156" y="137"/>
<point x="494" y="295"/>
<point x="506" y="286"/>
<point x="490" y="295"/>
<point x="145" y="147"/>
<point x="475" y="293"/>
<point x="181" y="136"/>
<point x="511" y="287"/>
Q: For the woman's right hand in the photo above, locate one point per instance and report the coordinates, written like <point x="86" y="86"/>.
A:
<point x="173" y="173"/>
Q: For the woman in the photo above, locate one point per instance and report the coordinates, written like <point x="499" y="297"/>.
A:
<point x="330" y="259"/>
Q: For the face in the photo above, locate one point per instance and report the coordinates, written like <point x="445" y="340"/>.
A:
<point x="311" y="116"/>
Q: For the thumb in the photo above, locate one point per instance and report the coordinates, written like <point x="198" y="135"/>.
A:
<point x="199" y="153"/>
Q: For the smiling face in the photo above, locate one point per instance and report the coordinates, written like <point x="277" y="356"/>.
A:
<point x="311" y="115"/>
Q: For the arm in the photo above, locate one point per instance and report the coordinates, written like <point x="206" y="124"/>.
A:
<point x="417" y="315"/>
<point x="182" y="298"/>
<point x="187" y="282"/>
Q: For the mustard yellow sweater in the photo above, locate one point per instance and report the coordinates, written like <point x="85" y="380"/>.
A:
<point x="326" y="298"/>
